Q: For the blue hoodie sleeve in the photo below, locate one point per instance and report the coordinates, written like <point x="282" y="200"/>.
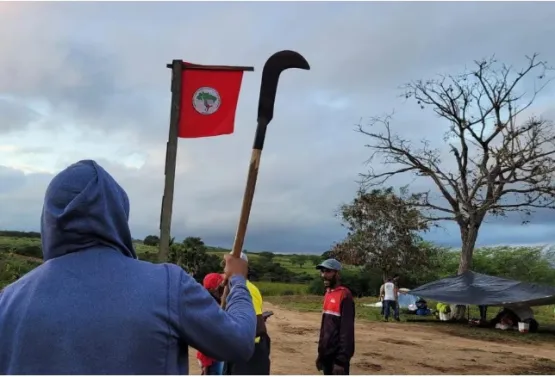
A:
<point x="223" y="335"/>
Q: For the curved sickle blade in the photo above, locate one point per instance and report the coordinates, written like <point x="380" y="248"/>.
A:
<point x="277" y="63"/>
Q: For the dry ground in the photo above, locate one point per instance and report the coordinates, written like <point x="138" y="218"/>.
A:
<point x="399" y="348"/>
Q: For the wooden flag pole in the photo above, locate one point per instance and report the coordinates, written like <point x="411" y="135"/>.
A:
<point x="171" y="160"/>
<point x="177" y="67"/>
<point x="277" y="63"/>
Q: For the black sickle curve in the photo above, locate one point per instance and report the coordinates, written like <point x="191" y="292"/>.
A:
<point x="277" y="63"/>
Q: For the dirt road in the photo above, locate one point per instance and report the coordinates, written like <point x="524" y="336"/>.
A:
<point x="392" y="348"/>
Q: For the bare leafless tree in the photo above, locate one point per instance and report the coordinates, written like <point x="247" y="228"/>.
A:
<point x="499" y="163"/>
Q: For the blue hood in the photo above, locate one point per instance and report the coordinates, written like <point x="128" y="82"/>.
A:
<point x="84" y="207"/>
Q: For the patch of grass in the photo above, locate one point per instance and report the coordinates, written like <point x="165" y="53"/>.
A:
<point x="285" y="261"/>
<point x="268" y="288"/>
<point x="304" y="303"/>
<point x="543" y="314"/>
<point x="312" y="303"/>
<point x="8" y="244"/>
<point x="141" y="248"/>
<point x="463" y="330"/>
<point x="546" y="333"/>
<point x="13" y="266"/>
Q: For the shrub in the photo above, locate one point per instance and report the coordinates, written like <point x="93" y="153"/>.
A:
<point x="149" y="257"/>
<point x="280" y="289"/>
<point x="29" y="251"/>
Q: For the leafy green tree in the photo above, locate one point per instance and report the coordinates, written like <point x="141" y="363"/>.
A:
<point x="298" y="260"/>
<point x="195" y="243"/>
<point x="383" y="232"/>
<point x="315" y="259"/>
<point x="152" y="240"/>
<point x="440" y="262"/>
<point x="301" y="260"/>
<point x="267" y="256"/>
<point x="529" y="264"/>
<point x="192" y="255"/>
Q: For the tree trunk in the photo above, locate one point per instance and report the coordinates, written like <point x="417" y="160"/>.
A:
<point x="469" y="235"/>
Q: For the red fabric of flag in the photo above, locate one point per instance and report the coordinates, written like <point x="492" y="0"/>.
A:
<point x="208" y="102"/>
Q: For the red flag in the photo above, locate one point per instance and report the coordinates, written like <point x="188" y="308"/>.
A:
<point x="208" y="102"/>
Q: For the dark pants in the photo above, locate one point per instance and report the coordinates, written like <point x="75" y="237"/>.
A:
<point x="533" y="325"/>
<point x="483" y="312"/>
<point x="259" y="363"/>
<point x="215" y="369"/>
<point x="383" y="308"/>
<point x="327" y="366"/>
<point x="390" y="304"/>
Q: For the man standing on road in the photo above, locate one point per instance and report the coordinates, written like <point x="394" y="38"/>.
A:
<point x="336" y="346"/>
<point x="259" y="363"/>
<point x="397" y="307"/>
<point x="390" y="300"/>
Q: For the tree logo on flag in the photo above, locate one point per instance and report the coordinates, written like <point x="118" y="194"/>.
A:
<point x="206" y="100"/>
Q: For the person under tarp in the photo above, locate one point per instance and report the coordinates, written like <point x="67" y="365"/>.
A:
<point x="511" y="315"/>
<point x="422" y="307"/>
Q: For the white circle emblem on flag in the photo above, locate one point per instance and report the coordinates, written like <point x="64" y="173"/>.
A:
<point x="206" y="100"/>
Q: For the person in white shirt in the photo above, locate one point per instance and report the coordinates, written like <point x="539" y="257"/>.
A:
<point x="390" y="300"/>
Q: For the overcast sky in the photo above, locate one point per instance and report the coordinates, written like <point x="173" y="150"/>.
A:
<point x="88" y="81"/>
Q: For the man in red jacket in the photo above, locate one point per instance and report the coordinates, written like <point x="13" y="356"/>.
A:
<point x="336" y="346"/>
<point x="213" y="284"/>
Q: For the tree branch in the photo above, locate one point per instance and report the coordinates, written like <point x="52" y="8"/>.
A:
<point x="503" y="164"/>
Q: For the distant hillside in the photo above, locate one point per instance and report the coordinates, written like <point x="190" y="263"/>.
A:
<point x="20" y="252"/>
<point x="19" y="234"/>
<point x="141" y="248"/>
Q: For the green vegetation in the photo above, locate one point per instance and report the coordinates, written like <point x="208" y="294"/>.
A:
<point x="296" y="274"/>
<point x="293" y="282"/>
<point x="544" y="315"/>
<point x="384" y="232"/>
<point x="269" y="289"/>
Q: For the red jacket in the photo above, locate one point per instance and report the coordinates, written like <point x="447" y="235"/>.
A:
<point x="205" y="361"/>
<point x="337" y="332"/>
<point x="210" y="281"/>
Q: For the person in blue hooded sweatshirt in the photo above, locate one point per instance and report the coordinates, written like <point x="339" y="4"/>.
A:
<point x="93" y="308"/>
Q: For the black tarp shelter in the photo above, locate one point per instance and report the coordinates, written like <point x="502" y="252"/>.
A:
<point x="472" y="288"/>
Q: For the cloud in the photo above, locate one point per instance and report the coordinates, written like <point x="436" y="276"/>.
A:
<point x="88" y="80"/>
<point x="14" y="115"/>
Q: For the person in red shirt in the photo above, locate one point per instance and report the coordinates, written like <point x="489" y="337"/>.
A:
<point x="213" y="283"/>
<point x="336" y="346"/>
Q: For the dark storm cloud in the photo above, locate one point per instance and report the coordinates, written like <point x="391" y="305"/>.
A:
<point x="102" y="68"/>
